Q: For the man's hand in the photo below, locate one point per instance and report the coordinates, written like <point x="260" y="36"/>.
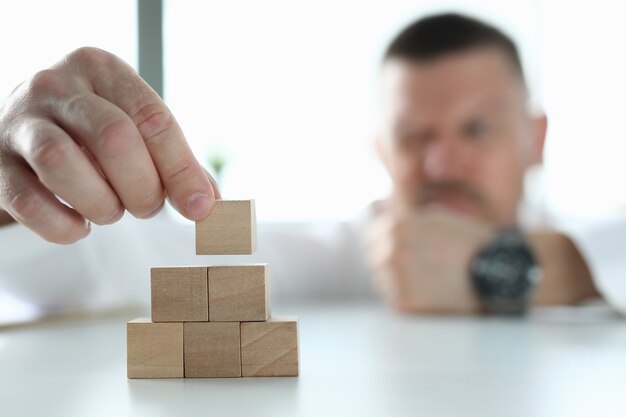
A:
<point x="90" y="132"/>
<point x="421" y="259"/>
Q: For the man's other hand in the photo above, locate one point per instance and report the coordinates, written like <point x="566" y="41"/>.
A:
<point x="88" y="139"/>
<point x="420" y="259"/>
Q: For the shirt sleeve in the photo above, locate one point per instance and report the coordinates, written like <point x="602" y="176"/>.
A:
<point x="603" y="246"/>
<point x="111" y="267"/>
<point x="94" y="273"/>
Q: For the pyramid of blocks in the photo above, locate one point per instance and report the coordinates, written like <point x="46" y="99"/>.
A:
<point x="214" y="321"/>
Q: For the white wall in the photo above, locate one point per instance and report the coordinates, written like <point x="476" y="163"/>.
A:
<point x="37" y="33"/>
<point x="583" y="64"/>
<point x="286" y="89"/>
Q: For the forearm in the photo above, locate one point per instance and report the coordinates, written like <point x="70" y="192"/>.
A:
<point x="5" y="219"/>
<point x="566" y="278"/>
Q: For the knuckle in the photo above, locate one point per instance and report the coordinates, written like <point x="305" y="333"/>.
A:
<point x="27" y="204"/>
<point x="44" y="81"/>
<point x="183" y="170"/>
<point x="47" y="152"/>
<point x="91" y="57"/>
<point x="152" y="120"/>
<point x="116" y="138"/>
<point x="148" y="205"/>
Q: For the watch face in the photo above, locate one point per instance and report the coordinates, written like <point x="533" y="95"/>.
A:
<point x="505" y="271"/>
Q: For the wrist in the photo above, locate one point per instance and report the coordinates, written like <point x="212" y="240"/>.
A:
<point x="566" y="277"/>
<point x="505" y="273"/>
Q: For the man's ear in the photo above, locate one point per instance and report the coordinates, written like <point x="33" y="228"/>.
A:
<point x="540" y="129"/>
<point x="382" y="151"/>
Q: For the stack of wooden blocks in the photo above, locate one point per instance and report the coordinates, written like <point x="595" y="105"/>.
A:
<point x="214" y="321"/>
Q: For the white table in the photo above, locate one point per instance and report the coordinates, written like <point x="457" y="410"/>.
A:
<point x="356" y="360"/>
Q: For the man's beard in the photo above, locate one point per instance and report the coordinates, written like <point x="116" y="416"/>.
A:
<point x="456" y="196"/>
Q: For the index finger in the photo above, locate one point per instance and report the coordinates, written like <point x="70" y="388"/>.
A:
<point x="189" y="189"/>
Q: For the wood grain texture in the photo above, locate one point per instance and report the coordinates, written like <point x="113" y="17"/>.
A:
<point x="239" y="293"/>
<point x="154" y="350"/>
<point x="212" y="349"/>
<point x="270" y="348"/>
<point x="230" y="229"/>
<point x="179" y="294"/>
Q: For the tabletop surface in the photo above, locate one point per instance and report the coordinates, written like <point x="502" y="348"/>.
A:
<point x="355" y="359"/>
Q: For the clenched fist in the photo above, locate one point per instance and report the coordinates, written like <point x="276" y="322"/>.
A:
<point x="88" y="139"/>
<point x="421" y="258"/>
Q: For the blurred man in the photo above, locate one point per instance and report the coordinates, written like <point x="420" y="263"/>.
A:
<point x="456" y="137"/>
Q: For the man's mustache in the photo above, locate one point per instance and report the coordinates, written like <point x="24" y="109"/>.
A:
<point x="434" y="191"/>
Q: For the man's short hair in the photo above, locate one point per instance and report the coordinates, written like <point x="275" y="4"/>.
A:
<point x="435" y="36"/>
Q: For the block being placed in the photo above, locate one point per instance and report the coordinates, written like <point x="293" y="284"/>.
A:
<point x="230" y="229"/>
<point x="212" y="349"/>
<point x="239" y="293"/>
<point x="154" y="350"/>
<point x="270" y="348"/>
<point x="179" y="294"/>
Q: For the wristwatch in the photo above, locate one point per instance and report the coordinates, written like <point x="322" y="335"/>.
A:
<point x="505" y="273"/>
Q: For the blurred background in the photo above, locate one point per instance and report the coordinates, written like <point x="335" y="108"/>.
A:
<point x="280" y="96"/>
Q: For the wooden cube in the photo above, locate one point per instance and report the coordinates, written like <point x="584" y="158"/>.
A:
<point x="270" y="348"/>
<point x="212" y="349"/>
<point x="154" y="350"/>
<point x="179" y="294"/>
<point x="230" y="229"/>
<point x="239" y="293"/>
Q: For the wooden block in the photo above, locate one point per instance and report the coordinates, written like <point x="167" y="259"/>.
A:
<point x="230" y="229"/>
<point x="154" y="350"/>
<point x="179" y="294"/>
<point x="239" y="293"/>
<point x="270" y="348"/>
<point x="212" y="349"/>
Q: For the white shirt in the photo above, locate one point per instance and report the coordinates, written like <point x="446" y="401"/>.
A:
<point x="111" y="267"/>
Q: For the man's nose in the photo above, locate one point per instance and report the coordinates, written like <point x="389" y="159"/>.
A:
<point x="444" y="161"/>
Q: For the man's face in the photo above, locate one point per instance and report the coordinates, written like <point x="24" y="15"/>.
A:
<point x="456" y="133"/>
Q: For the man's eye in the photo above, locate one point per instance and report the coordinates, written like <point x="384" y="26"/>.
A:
<point x="476" y="129"/>
<point x="413" y="140"/>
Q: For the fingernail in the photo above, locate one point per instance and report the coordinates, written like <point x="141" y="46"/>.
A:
<point x="114" y="218"/>
<point x="198" y="206"/>
<point x="155" y="211"/>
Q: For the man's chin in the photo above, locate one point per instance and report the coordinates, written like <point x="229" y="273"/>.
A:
<point x="459" y="208"/>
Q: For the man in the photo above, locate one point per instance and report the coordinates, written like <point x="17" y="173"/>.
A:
<point x="456" y="137"/>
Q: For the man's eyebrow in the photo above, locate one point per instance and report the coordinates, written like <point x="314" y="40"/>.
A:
<point x="498" y="105"/>
<point x="403" y="127"/>
<point x="416" y="125"/>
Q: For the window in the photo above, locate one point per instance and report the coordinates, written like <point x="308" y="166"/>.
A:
<point x="286" y="91"/>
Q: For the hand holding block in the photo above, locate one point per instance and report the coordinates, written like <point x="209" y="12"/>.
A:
<point x="230" y="229"/>
<point x="269" y="348"/>
<point x="212" y="349"/>
<point x="179" y="294"/>
<point x="239" y="293"/>
<point x="154" y="350"/>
